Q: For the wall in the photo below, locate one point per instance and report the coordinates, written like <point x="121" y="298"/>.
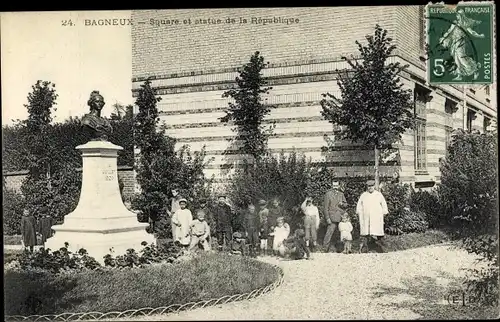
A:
<point x="14" y="180"/>
<point x="191" y="66"/>
<point x="321" y="33"/>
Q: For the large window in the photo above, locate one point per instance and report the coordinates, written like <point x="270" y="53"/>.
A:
<point x="420" y="130"/>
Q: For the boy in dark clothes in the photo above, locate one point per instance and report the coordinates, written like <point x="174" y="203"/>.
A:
<point x="251" y="225"/>
<point x="297" y="247"/>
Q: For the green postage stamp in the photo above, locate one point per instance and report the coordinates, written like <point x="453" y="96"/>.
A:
<point x="460" y="43"/>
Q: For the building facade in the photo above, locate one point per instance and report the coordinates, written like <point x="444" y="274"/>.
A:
<point x="192" y="60"/>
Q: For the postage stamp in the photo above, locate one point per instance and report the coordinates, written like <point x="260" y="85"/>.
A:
<point x="460" y="43"/>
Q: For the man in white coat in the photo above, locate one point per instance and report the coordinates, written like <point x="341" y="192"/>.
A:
<point x="371" y="209"/>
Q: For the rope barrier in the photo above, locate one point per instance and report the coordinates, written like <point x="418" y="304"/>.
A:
<point x="148" y="311"/>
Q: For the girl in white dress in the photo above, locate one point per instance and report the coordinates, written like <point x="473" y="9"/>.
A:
<point x="280" y="233"/>
<point x="345" y="228"/>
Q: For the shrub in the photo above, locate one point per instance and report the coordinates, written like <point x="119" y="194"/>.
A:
<point x="468" y="189"/>
<point x="204" y="277"/>
<point x="428" y="203"/>
<point x="405" y="221"/>
<point x="402" y="219"/>
<point x="468" y="194"/>
<point x="148" y="255"/>
<point x="59" y="193"/>
<point x="396" y="195"/>
<point x="285" y="177"/>
<point x="13" y="205"/>
<point x="56" y="261"/>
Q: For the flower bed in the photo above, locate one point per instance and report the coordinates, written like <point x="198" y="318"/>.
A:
<point x="206" y="276"/>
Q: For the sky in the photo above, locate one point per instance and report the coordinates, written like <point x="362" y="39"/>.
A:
<point x="76" y="58"/>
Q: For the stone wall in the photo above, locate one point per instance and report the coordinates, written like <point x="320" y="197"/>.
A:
<point x="13" y="180"/>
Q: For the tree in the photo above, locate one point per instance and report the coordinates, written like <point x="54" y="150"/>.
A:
<point x="123" y="132"/>
<point x="159" y="167"/>
<point x="248" y="111"/>
<point x="374" y="108"/>
<point x="40" y="104"/>
<point x="51" y="183"/>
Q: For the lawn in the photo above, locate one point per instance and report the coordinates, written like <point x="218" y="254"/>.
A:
<point x="204" y="277"/>
<point x="394" y="243"/>
<point x="12" y="240"/>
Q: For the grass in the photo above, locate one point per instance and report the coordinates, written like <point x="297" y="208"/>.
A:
<point x="10" y="254"/>
<point x="394" y="243"/>
<point x="415" y="240"/>
<point x="12" y="240"/>
<point x="204" y="277"/>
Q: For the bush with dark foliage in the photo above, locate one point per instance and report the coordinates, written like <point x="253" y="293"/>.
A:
<point x="468" y="195"/>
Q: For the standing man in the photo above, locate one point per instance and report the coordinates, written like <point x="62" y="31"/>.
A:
<point x="371" y="209"/>
<point x="172" y="206"/>
<point x="223" y="218"/>
<point x="333" y="206"/>
<point x="311" y="222"/>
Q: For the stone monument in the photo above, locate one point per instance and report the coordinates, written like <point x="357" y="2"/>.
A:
<point x="100" y="221"/>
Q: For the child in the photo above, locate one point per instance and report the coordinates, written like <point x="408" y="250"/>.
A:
<point x="238" y="244"/>
<point x="28" y="230"/>
<point x="264" y="228"/>
<point x="298" y="247"/>
<point x="345" y="228"/>
<point x="251" y="225"/>
<point x="280" y="234"/>
<point x="181" y="223"/>
<point x="200" y="232"/>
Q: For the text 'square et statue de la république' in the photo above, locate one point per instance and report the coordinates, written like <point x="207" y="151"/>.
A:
<point x="100" y="221"/>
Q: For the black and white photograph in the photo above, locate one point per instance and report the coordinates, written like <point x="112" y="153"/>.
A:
<point x="258" y="163"/>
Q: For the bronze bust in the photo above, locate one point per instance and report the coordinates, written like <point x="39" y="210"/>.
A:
<point x="97" y="127"/>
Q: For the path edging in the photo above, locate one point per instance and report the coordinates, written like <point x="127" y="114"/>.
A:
<point x="148" y="311"/>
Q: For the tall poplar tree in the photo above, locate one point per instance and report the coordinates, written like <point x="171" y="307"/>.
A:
<point x="374" y="108"/>
<point x="248" y="111"/>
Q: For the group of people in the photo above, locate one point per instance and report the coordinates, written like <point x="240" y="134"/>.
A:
<point x="263" y="229"/>
<point x="35" y="231"/>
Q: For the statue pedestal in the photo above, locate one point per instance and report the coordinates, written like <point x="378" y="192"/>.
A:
<point x="100" y="221"/>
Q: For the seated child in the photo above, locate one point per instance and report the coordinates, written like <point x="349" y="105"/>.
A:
<point x="345" y="228"/>
<point x="297" y="247"/>
<point x="280" y="233"/>
<point x="200" y="232"/>
<point x="239" y="244"/>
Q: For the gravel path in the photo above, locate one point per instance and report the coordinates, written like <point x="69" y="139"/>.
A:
<point x="410" y="284"/>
